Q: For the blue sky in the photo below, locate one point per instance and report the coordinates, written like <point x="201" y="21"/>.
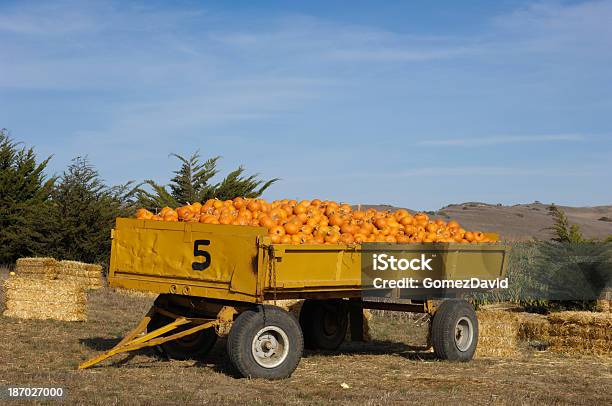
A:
<point x="418" y="104"/>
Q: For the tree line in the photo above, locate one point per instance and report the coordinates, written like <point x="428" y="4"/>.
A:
<point x="69" y="216"/>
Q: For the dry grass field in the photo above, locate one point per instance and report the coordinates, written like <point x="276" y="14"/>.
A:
<point x="386" y="371"/>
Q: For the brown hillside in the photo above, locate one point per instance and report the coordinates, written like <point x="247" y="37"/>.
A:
<point x="522" y="221"/>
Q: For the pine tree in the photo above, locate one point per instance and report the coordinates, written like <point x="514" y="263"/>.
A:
<point x="192" y="183"/>
<point x="24" y="201"/>
<point x="85" y="210"/>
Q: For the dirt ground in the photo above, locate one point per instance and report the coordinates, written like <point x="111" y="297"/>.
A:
<point x="385" y="371"/>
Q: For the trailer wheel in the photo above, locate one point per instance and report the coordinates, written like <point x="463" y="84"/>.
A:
<point x="324" y="323"/>
<point x="454" y="331"/>
<point x="193" y="346"/>
<point x="265" y="342"/>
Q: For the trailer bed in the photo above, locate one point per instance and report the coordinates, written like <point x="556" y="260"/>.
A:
<point x="238" y="263"/>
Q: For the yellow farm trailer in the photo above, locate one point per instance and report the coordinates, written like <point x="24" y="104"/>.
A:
<point x="213" y="280"/>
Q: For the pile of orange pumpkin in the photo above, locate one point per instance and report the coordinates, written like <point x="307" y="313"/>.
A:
<point x="320" y="222"/>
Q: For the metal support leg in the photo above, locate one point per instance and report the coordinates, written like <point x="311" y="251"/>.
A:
<point x="132" y="341"/>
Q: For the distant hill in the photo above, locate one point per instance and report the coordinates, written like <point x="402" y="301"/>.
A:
<point x="521" y="221"/>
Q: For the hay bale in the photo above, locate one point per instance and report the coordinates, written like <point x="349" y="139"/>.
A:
<point x="80" y="268"/>
<point x="580" y="345"/>
<point x="89" y="275"/>
<point x="563" y="332"/>
<point x="533" y="327"/>
<point x="366" y="332"/>
<point x="497" y="334"/>
<point x="604" y="305"/>
<point x="590" y="319"/>
<point x="293" y="306"/>
<point x="46" y="268"/>
<point x="34" y="298"/>
<point x="580" y="333"/>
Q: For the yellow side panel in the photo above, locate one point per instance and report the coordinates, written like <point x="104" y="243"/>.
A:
<point x="327" y="267"/>
<point x="216" y="258"/>
<point x="317" y="267"/>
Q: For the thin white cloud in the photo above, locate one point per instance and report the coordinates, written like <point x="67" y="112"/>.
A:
<point x="446" y="172"/>
<point x="497" y="140"/>
<point x="401" y="55"/>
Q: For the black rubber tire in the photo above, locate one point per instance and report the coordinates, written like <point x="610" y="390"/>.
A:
<point x="244" y="331"/>
<point x="324" y="323"/>
<point x="444" y="329"/>
<point x="194" y="346"/>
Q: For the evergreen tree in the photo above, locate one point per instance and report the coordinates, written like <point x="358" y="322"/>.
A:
<point x="562" y="229"/>
<point x="570" y="270"/>
<point x="85" y="210"/>
<point x="24" y="197"/>
<point x="192" y="183"/>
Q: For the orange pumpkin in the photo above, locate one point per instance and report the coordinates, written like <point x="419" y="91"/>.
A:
<point x="317" y="222"/>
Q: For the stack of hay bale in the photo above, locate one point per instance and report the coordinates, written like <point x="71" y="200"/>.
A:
<point x="44" y="288"/>
<point x="502" y="333"/>
<point x="580" y="333"/>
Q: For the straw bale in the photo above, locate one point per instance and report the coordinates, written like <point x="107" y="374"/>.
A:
<point x="46" y="268"/>
<point x="579" y="345"/>
<point x="35" y="262"/>
<point x="44" y="299"/>
<point x="80" y="267"/>
<point x="33" y="297"/>
<point x="565" y="332"/>
<point x="66" y="313"/>
<point x="497" y="333"/>
<point x="293" y="306"/>
<point x="581" y="331"/>
<point x="491" y="346"/>
<point x="591" y="319"/>
<point x="84" y="282"/>
<point x="366" y="335"/>
<point x="570" y="332"/>
<point x="533" y="327"/>
<point x="88" y="275"/>
<point x="49" y="289"/>
<point x="604" y="305"/>
<point x="44" y="308"/>
<point x="67" y="272"/>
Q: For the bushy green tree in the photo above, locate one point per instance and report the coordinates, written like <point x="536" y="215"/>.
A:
<point x="572" y="269"/>
<point x="192" y="182"/>
<point x="24" y="201"/>
<point x="562" y="229"/>
<point x="85" y="210"/>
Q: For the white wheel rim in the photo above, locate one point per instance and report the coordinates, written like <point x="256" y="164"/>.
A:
<point x="464" y="334"/>
<point x="270" y="347"/>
